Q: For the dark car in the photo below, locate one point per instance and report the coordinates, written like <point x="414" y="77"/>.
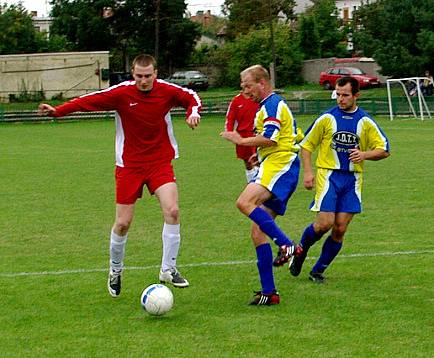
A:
<point x="328" y="78"/>
<point x="190" y="79"/>
<point x="118" y="77"/>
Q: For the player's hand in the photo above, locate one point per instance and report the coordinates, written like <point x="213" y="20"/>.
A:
<point x="46" y="110"/>
<point x="309" y="181"/>
<point x="193" y="121"/>
<point x="253" y="160"/>
<point x="233" y="136"/>
<point x="356" y="155"/>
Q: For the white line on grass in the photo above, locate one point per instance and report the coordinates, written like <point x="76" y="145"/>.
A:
<point x="204" y="264"/>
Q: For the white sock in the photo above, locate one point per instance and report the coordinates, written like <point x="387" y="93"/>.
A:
<point x="171" y="241"/>
<point x="117" y="251"/>
<point x="251" y="173"/>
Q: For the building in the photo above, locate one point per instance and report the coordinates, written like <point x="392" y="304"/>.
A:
<point x="347" y="7"/>
<point x="61" y="74"/>
<point x="41" y="24"/>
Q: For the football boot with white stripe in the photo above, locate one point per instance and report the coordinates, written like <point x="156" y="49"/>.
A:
<point x="262" y="299"/>
<point x="286" y="254"/>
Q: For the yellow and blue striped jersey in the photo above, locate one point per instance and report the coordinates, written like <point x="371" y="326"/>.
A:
<point x="275" y="121"/>
<point x="336" y="132"/>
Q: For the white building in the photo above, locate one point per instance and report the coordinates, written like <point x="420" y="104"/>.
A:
<point x="347" y="7"/>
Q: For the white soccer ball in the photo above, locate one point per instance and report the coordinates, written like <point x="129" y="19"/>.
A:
<point x="157" y="299"/>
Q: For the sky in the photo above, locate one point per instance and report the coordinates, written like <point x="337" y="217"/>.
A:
<point x="43" y="7"/>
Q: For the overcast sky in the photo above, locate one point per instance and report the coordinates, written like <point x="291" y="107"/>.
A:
<point x="43" y="7"/>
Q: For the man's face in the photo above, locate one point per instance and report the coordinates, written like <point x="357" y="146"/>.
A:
<point x="144" y="77"/>
<point x="251" y="88"/>
<point x="345" y="98"/>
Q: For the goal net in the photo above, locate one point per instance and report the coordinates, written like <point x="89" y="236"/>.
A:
<point x="413" y="102"/>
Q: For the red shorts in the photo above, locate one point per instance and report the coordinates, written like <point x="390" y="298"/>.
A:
<point x="245" y="152"/>
<point x="130" y="181"/>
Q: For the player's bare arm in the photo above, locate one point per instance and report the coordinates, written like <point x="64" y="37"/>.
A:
<point x="45" y="109"/>
<point x="309" y="176"/>
<point x="357" y="156"/>
<point x="257" y="141"/>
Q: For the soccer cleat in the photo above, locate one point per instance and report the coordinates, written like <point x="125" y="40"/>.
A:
<point x="114" y="283"/>
<point x="297" y="263"/>
<point x="286" y="254"/>
<point x="262" y="299"/>
<point x="174" y="277"/>
<point x="316" y="277"/>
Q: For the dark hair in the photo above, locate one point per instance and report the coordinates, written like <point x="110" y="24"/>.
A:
<point x="144" y="60"/>
<point x="351" y="80"/>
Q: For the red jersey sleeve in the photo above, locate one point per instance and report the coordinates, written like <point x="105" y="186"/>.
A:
<point x="184" y="97"/>
<point x="96" y="101"/>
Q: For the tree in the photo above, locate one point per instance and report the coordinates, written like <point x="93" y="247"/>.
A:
<point x="322" y="33"/>
<point x="246" y="14"/>
<point x="17" y="34"/>
<point x="133" y="26"/>
<point x="253" y="48"/>
<point x="399" y="34"/>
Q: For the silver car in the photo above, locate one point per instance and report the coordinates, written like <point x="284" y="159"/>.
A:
<point x="190" y="79"/>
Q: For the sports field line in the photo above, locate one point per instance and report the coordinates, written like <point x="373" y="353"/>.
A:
<point x="204" y="264"/>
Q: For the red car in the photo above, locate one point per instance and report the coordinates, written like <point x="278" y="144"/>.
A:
<point x="328" y="78"/>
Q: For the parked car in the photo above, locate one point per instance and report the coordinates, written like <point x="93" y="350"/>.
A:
<point x="190" y="79"/>
<point x="328" y="78"/>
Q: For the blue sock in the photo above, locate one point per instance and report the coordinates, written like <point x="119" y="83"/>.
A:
<point x="309" y="238"/>
<point x="329" y="251"/>
<point x="267" y="224"/>
<point x="265" y="267"/>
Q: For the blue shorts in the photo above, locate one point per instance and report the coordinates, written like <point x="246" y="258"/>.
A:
<point x="337" y="191"/>
<point x="279" y="174"/>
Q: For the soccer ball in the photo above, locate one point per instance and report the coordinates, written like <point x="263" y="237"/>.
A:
<point x="157" y="299"/>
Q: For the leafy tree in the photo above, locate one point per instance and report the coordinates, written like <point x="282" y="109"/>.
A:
<point x="17" y="34"/>
<point x="322" y="33"/>
<point x="399" y="34"/>
<point x="253" y="48"/>
<point x="134" y="26"/>
<point x="246" y="14"/>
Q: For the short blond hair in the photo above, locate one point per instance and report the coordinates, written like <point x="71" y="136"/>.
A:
<point x="144" y="60"/>
<point x="258" y="73"/>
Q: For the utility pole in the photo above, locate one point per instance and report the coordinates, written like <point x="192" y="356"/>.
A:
<point x="273" y="48"/>
<point x="157" y="29"/>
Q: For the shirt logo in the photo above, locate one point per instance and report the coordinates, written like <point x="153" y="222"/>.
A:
<point x="342" y="141"/>
<point x="132" y="104"/>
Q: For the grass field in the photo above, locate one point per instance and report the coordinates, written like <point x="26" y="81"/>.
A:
<point x="57" y="206"/>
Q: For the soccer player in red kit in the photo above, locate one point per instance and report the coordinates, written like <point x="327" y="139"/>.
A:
<point x="145" y="147"/>
<point x="240" y="117"/>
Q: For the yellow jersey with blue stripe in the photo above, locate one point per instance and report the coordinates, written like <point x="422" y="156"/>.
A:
<point x="275" y="121"/>
<point x="336" y="132"/>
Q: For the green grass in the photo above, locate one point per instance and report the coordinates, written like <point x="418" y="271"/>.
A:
<point x="57" y="209"/>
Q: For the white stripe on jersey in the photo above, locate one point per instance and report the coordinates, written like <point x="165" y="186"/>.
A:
<point x="194" y="109"/>
<point x="171" y="134"/>
<point x="120" y="139"/>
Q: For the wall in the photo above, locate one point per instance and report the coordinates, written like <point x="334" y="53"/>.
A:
<point x="67" y="73"/>
<point x="312" y="68"/>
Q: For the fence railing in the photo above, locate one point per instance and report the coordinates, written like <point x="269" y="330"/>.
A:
<point x="219" y="106"/>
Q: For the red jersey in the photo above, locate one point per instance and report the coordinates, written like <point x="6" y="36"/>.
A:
<point x="241" y="114"/>
<point x="144" y="130"/>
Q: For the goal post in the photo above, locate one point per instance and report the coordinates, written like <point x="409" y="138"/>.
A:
<point x="416" y="81"/>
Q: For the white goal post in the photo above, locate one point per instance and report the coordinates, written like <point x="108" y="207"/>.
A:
<point x="422" y="103"/>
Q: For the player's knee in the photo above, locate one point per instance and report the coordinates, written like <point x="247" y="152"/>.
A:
<point x="171" y="213"/>
<point x="339" y="231"/>
<point x="242" y="205"/>
<point x="322" y="227"/>
<point x="122" y="225"/>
